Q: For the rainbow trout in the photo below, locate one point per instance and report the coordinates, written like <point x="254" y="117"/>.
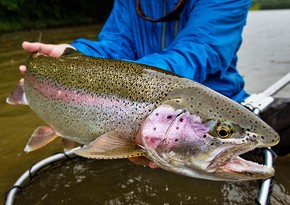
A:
<point x="120" y="109"/>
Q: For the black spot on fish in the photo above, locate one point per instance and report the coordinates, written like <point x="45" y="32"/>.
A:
<point x="177" y="128"/>
<point x="181" y="119"/>
<point x="176" y="140"/>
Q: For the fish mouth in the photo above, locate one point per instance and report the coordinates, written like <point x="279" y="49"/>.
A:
<point x="230" y="164"/>
<point x="247" y="169"/>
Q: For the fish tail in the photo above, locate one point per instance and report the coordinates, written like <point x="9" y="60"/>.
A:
<point x="17" y="96"/>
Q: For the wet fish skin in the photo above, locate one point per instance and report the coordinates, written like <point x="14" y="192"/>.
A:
<point x="106" y="104"/>
<point x="98" y="89"/>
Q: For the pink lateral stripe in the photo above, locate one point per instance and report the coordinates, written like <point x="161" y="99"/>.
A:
<point x="66" y="95"/>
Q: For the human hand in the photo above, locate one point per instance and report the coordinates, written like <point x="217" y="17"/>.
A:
<point x="38" y="48"/>
<point x="143" y="161"/>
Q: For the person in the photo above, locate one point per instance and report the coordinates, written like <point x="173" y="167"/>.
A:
<point x="195" y="39"/>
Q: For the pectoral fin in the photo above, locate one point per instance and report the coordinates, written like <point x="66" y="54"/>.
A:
<point x="41" y="137"/>
<point x="17" y="96"/>
<point x="112" y="145"/>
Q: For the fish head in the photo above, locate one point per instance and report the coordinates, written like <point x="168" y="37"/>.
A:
<point x="204" y="138"/>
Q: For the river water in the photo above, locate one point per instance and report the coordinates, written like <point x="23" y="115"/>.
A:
<point x="264" y="58"/>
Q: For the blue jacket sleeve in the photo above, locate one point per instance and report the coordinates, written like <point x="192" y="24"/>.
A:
<point x="115" y="39"/>
<point x="207" y="43"/>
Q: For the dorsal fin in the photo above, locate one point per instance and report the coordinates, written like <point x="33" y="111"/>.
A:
<point x="69" y="51"/>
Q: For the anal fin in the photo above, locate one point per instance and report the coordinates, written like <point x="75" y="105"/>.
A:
<point x="112" y="145"/>
<point x="41" y="137"/>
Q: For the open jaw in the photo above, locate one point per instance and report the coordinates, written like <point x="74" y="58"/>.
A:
<point x="230" y="164"/>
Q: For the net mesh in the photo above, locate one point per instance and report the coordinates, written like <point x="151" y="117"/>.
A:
<point x="79" y="180"/>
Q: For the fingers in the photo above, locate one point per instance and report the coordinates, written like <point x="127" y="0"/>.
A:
<point x="45" y="49"/>
<point x="140" y="161"/>
<point x="22" y="69"/>
<point x="143" y="161"/>
<point x="40" y="48"/>
<point x="152" y="165"/>
<point x="31" y="47"/>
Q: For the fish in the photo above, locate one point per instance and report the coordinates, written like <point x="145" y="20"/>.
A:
<point x="119" y="109"/>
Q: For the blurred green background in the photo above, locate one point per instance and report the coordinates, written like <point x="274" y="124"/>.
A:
<point x="35" y="14"/>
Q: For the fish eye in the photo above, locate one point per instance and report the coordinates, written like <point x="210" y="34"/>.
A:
<point x="223" y="131"/>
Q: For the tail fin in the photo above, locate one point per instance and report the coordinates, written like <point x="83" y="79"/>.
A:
<point x="17" y="96"/>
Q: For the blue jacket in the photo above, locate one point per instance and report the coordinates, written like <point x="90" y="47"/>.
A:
<point x="201" y="45"/>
